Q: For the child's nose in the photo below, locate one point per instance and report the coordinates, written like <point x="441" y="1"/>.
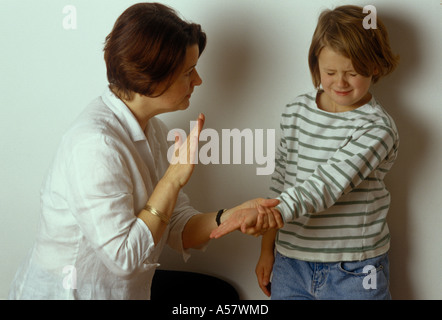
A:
<point x="342" y="81"/>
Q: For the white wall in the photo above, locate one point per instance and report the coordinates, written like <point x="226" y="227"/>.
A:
<point x="255" y="62"/>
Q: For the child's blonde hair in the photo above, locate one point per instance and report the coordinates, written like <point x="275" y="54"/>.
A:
<point x="342" y="30"/>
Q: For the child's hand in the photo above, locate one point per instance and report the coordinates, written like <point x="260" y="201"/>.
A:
<point x="264" y="270"/>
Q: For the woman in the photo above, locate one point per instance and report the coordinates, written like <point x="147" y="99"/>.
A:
<point x="111" y="200"/>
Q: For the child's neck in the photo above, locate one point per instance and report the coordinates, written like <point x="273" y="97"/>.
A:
<point x="324" y="102"/>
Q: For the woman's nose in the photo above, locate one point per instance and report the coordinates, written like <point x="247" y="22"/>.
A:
<point x="197" y="79"/>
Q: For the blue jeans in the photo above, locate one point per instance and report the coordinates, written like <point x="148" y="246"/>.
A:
<point x="302" y="280"/>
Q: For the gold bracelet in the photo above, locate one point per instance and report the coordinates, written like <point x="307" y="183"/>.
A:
<point x="155" y="212"/>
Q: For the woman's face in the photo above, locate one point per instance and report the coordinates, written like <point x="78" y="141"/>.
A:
<point x="177" y="96"/>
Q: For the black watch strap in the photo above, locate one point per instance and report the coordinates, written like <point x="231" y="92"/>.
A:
<point x="218" y="216"/>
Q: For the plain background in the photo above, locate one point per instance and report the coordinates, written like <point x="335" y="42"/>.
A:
<point x="255" y="63"/>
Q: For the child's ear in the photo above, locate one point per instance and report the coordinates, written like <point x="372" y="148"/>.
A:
<point x="375" y="71"/>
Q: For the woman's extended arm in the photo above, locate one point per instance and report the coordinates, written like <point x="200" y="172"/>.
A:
<point x="164" y="196"/>
<point x="249" y="217"/>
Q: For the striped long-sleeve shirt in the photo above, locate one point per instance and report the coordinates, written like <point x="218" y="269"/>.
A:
<point x="329" y="177"/>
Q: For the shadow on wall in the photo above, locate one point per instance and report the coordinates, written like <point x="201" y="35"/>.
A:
<point x="226" y="68"/>
<point x="234" y="49"/>
<point x="413" y="144"/>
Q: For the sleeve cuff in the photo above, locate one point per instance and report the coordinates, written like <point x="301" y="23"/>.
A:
<point x="285" y="211"/>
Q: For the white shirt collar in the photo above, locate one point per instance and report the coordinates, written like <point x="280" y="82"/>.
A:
<point x="124" y="115"/>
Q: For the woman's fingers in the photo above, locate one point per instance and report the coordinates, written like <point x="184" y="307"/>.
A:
<point x="183" y="159"/>
<point x="186" y="152"/>
<point x="252" y="221"/>
<point x="267" y="202"/>
<point x="192" y="140"/>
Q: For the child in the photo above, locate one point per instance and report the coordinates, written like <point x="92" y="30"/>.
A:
<point x="337" y="144"/>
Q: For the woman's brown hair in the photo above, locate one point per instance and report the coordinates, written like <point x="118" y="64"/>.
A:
<point x="342" y="30"/>
<point x="146" y="48"/>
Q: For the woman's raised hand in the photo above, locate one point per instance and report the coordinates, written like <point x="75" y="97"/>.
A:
<point x="184" y="156"/>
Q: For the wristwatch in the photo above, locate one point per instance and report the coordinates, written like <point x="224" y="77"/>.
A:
<point x="218" y="216"/>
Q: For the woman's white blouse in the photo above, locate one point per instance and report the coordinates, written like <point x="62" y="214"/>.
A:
<point x="90" y="244"/>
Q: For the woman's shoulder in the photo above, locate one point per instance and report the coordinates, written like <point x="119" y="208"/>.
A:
<point x="95" y="124"/>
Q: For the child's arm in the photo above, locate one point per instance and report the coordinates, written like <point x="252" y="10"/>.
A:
<point x="265" y="263"/>
<point x="370" y="151"/>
